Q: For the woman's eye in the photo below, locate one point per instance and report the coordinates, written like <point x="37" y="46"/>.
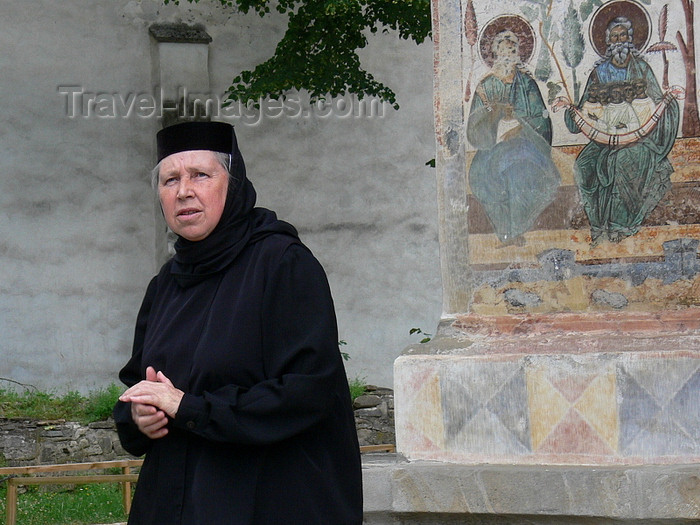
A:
<point x="169" y="181"/>
<point x="201" y="174"/>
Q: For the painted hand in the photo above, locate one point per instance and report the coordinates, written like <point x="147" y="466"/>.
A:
<point x="678" y="92"/>
<point x="560" y="103"/>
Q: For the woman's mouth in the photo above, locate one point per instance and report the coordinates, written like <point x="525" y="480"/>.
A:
<point x="189" y="212"/>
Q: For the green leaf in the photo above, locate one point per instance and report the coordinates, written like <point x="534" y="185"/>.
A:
<point x="419" y="331"/>
<point x="319" y="50"/>
<point x="543" y="70"/>
<point x="553" y="89"/>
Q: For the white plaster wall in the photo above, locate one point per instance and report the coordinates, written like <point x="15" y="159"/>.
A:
<point x="76" y="211"/>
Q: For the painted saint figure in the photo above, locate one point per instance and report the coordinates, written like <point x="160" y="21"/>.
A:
<point x="512" y="173"/>
<point x="621" y="183"/>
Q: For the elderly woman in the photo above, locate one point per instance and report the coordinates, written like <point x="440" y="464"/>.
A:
<point x="237" y="392"/>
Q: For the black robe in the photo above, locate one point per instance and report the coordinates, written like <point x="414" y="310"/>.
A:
<point x="265" y="432"/>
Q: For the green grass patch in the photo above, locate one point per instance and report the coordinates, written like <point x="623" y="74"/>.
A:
<point x="72" y="406"/>
<point x="357" y="387"/>
<point x="79" y="505"/>
<point x="33" y="404"/>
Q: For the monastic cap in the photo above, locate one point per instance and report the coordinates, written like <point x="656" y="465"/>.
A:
<point x="187" y="136"/>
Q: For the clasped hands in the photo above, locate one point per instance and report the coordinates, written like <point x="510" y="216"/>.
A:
<point x="153" y="400"/>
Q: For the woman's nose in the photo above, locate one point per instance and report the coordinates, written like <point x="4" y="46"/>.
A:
<point x="184" y="188"/>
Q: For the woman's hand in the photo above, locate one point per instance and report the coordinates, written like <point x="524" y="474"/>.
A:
<point x="152" y="401"/>
<point x="150" y="420"/>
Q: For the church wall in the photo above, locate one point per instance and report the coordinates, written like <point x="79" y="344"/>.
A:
<point x="569" y="232"/>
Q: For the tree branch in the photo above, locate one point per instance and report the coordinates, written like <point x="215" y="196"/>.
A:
<point x="27" y="387"/>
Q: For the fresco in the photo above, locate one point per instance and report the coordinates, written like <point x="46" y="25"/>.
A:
<point x="512" y="174"/>
<point x="583" y="156"/>
<point x="623" y="172"/>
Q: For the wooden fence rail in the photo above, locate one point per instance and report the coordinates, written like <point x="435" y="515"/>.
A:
<point x="16" y="476"/>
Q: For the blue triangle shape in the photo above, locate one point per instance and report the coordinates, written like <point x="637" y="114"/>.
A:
<point x="637" y="409"/>
<point x="510" y="406"/>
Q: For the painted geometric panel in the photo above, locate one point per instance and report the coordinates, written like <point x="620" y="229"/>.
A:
<point x="660" y="407"/>
<point x="637" y="409"/>
<point x="425" y="410"/>
<point x="484" y="409"/>
<point x="547" y="406"/>
<point x="686" y="406"/>
<point x="510" y="405"/>
<point x="573" y="408"/>
<point x="598" y="408"/>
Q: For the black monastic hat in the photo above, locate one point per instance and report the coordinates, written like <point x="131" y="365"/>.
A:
<point x="187" y="136"/>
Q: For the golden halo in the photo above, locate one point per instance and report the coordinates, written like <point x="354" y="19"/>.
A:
<point x="514" y="23"/>
<point x="635" y="13"/>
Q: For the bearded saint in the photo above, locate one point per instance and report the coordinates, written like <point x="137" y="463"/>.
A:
<point x="512" y="174"/>
<point x="621" y="184"/>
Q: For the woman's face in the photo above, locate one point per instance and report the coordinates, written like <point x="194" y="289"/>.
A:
<point x="192" y="189"/>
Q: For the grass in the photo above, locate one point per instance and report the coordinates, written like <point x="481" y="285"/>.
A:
<point x="33" y="404"/>
<point x="80" y="505"/>
<point x="96" y="406"/>
<point x="357" y="387"/>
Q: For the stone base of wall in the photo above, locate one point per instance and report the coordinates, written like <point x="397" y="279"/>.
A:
<point x="31" y="442"/>
<point x="374" y="416"/>
<point x="430" y="493"/>
<point x="554" y="389"/>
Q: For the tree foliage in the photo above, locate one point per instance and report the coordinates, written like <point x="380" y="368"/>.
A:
<point x="319" y="50"/>
<point x="572" y="45"/>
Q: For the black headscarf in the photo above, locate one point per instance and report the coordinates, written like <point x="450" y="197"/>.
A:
<point x="241" y="223"/>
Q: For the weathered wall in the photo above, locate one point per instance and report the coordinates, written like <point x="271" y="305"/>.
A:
<point x="28" y="442"/>
<point x="589" y="224"/>
<point x="77" y="235"/>
<point x="570" y="237"/>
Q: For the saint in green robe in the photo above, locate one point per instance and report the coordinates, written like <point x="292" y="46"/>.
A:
<point x="620" y="185"/>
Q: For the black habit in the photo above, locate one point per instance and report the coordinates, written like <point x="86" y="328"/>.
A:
<point x="243" y="322"/>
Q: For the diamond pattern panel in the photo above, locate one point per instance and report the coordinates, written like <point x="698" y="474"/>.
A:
<point x="617" y="406"/>
<point x="686" y="406"/>
<point x="484" y="408"/>
<point x="573" y="408"/>
<point x="660" y="409"/>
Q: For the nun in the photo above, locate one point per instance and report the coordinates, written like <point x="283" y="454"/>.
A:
<point x="237" y="395"/>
